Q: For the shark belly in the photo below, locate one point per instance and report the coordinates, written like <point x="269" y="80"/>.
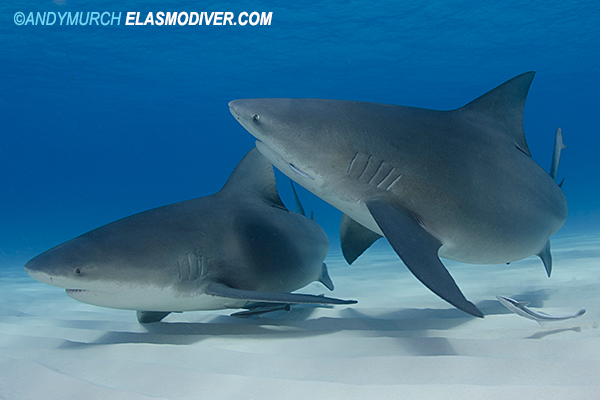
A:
<point x="153" y="298"/>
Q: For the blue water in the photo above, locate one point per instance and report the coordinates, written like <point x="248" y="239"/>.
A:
<point x="100" y="122"/>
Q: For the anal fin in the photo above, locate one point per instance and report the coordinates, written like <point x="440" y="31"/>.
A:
<point x="355" y="238"/>
<point x="546" y="257"/>
<point x="419" y="251"/>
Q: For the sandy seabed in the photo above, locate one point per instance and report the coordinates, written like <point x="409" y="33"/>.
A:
<point x="399" y="342"/>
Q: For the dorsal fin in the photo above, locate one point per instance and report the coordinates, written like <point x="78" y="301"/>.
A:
<point x="502" y="107"/>
<point x="325" y="279"/>
<point x="299" y="208"/>
<point x="254" y="174"/>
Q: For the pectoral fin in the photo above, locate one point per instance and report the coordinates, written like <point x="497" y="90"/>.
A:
<point x="419" y="251"/>
<point x="256" y="309"/>
<point x="146" y="317"/>
<point x="220" y="290"/>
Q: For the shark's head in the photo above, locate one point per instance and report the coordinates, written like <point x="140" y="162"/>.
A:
<point x="94" y="271"/>
<point x="293" y="134"/>
<point x="71" y="265"/>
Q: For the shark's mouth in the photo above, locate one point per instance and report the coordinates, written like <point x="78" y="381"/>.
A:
<point x="278" y="160"/>
<point x="89" y="296"/>
<point x="78" y="294"/>
<point x="70" y="292"/>
<point x="299" y="171"/>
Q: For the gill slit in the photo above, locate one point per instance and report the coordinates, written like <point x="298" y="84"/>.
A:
<point x="366" y="166"/>
<point x="352" y="163"/>
<point x="385" y="177"/>
<point x="394" y="181"/>
<point x="376" y="171"/>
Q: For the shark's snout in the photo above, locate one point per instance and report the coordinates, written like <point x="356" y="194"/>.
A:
<point x="232" y="108"/>
<point x="46" y="268"/>
<point x="246" y="113"/>
<point x="40" y="276"/>
<point x="235" y="107"/>
<point x="35" y="269"/>
<point x="247" y="110"/>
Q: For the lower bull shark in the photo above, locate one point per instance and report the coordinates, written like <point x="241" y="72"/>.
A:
<point x="458" y="184"/>
<point x="238" y="248"/>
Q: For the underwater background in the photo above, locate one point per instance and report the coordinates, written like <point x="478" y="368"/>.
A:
<point x="100" y="122"/>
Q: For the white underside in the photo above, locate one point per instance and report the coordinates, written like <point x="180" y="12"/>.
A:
<point x="154" y="299"/>
<point x="136" y="297"/>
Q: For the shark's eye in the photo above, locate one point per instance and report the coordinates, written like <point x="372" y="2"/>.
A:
<point x="256" y="118"/>
<point x="77" y="271"/>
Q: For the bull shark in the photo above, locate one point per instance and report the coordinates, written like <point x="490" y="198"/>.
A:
<point x="458" y="184"/>
<point x="237" y="248"/>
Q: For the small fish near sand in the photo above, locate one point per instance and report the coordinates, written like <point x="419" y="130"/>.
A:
<point x="238" y="248"/>
<point x="520" y="308"/>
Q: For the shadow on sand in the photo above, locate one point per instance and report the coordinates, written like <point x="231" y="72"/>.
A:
<point x="414" y="328"/>
<point x="295" y="324"/>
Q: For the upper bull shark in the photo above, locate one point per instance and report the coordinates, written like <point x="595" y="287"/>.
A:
<point x="458" y="184"/>
<point x="234" y="249"/>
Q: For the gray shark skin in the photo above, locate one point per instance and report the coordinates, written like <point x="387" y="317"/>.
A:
<point x="232" y="249"/>
<point x="520" y="308"/>
<point x="458" y="184"/>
